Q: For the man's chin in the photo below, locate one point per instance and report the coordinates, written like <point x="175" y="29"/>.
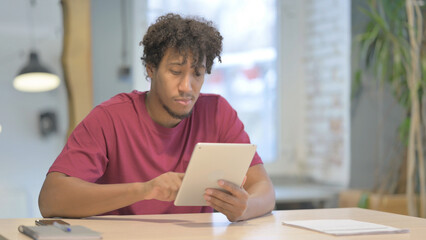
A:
<point x="181" y="116"/>
<point x="176" y="115"/>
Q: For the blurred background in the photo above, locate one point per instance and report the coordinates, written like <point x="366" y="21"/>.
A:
<point x="286" y="68"/>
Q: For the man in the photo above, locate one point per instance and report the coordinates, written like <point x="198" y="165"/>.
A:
<point x="129" y="155"/>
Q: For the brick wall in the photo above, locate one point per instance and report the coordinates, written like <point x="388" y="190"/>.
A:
<point x="326" y="67"/>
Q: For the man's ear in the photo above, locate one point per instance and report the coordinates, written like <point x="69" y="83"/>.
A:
<point x="150" y="70"/>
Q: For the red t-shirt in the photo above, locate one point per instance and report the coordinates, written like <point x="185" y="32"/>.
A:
<point x="118" y="142"/>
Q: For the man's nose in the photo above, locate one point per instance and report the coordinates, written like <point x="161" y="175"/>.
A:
<point x="185" y="84"/>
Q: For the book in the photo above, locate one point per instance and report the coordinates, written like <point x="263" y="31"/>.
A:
<point x="51" y="232"/>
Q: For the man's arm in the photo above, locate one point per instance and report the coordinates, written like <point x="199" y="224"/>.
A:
<point x="65" y="196"/>
<point x="255" y="198"/>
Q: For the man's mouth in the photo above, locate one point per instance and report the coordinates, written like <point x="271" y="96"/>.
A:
<point x="184" y="101"/>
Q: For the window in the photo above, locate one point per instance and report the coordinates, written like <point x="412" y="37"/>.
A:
<point x="247" y="75"/>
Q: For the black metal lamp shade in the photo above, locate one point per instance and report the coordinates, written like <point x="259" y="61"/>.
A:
<point x="34" y="77"/>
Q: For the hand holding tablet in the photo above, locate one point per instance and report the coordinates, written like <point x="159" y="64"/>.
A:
<point x="209" y="163"/>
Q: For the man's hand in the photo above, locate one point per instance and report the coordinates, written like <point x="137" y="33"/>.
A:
<point x="164" y="187"/>
<point x="233" y="203"/>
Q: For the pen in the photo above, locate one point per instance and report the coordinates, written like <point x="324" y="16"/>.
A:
<point x="63" y="227"/>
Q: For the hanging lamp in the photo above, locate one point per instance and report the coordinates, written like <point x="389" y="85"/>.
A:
<point x="34" y="77"/>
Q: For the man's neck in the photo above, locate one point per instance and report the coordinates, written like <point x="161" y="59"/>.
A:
<point x="157" y="112"/>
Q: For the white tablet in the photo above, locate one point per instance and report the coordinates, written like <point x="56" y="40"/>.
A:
<point x="209" y="163"/>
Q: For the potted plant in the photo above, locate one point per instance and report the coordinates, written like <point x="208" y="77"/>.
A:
<point x="393" y="48"/>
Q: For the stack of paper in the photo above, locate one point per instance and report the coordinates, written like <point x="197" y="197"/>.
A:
<point x="344" y="227"/>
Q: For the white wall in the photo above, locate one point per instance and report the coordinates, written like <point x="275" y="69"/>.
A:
<point x="25" y="155"/>
<point x="107" y="37"/>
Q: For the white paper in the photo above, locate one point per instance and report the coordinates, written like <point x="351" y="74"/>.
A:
<point x="344" y="227"/>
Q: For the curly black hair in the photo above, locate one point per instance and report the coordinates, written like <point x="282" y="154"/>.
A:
<point x="193" y="35"/>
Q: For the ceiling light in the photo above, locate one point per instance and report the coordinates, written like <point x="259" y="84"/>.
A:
<point x="34" y="77"/>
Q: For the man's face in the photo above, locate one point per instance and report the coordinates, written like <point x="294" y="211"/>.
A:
<point x="175" y="84"/>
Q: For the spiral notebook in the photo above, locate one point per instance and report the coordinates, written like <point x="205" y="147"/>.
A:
<point x="51" y="232"/>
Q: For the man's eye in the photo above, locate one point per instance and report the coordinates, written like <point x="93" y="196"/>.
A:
<point x="175" y="72"/>
<point x="198" y="73"/>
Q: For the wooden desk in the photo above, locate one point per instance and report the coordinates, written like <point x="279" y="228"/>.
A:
<point x="216" y="226"/>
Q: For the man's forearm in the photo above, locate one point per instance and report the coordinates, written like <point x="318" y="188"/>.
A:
<point x="261" y="200"/>
<point x="63" y="196"/>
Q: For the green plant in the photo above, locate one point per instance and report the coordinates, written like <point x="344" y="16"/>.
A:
<point x="393" y="47"/>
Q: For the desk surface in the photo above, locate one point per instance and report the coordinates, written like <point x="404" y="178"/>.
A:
<point x="216" y="226"/>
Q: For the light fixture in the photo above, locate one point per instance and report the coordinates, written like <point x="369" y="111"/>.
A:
<point x="34" y="77"/>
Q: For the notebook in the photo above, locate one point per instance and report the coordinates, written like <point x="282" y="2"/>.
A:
<point x="52" y="232"/>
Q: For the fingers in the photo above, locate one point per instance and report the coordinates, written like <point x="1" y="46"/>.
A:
<point x="227" y="210"/>
<point x="232" y="198"/>
<point x="232" y="202"/>
<point x="231" y="188"/>
<point x="219" y="196"/>
<point x="232" y="207"/>
<point x="230" y="192"/>
<point x="165" y="186"/>
<point x="220" y="200"/>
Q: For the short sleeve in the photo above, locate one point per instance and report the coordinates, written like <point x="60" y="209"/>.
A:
<point x="85" y="153"/>
<point x="231" y="128"/>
